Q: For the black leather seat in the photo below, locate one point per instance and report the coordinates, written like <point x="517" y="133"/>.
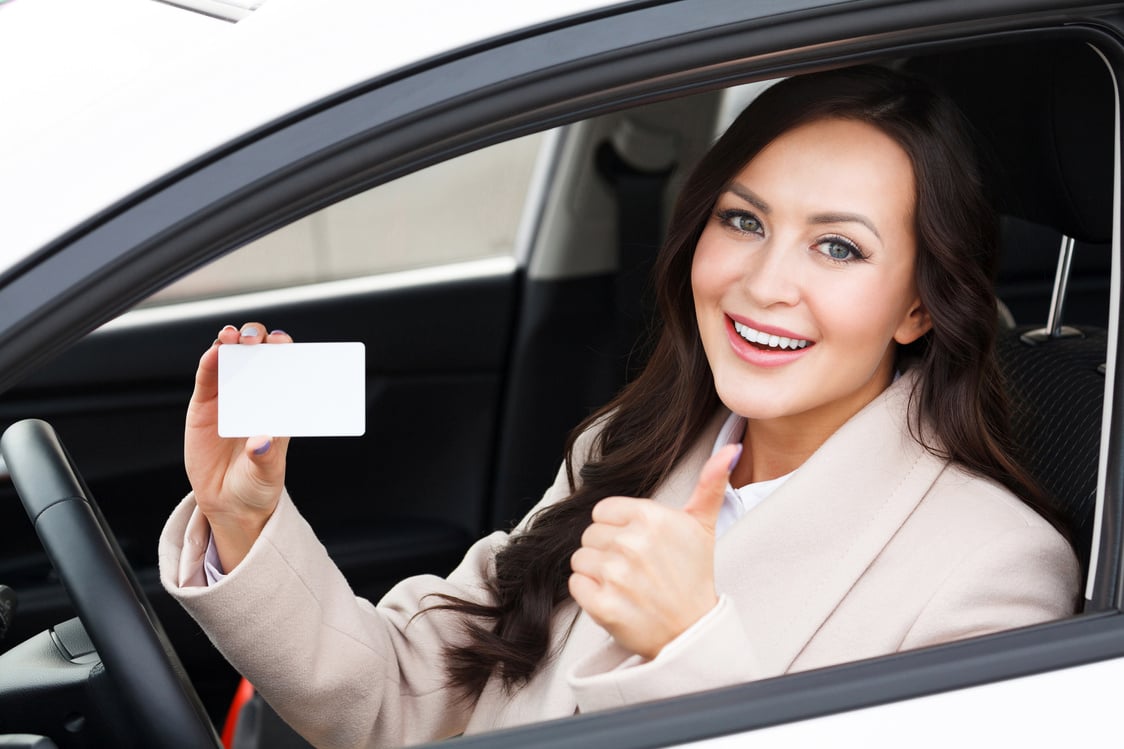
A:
<point x="1045" y="114"/>
<point x="1058" y="392"/>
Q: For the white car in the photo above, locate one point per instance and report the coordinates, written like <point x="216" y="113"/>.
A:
<point x="475" y="191"/>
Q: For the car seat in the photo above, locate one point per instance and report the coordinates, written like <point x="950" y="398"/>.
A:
<point x="1044" y="114"/>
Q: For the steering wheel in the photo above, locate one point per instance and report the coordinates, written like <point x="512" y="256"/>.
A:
<point x="138" y="657"/>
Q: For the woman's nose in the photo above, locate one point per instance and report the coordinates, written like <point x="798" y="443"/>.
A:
<point x="772" y="275"/>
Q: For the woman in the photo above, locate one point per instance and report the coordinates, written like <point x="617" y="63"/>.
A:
<point x="827" y="315"/>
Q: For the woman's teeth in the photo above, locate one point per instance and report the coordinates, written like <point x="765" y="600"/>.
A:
<point x="768" y="341"/>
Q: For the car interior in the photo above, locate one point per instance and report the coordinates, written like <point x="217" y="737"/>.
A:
<point x="492" y="369"/>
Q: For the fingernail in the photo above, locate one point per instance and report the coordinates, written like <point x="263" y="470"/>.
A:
<point x="249" y="331"/>
<point x="278" y="332"/>
<point x="734" y="460"/>
<point x="264" y="448"/>
<point x="228" y="327"/>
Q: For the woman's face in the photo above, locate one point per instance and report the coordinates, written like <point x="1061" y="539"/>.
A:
<point x="803" y="277"/>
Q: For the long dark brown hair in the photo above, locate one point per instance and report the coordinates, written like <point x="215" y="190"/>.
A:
<point x="959" y="406"/>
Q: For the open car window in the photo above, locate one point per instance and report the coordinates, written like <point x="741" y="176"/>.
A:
<point x="464" y="209"/>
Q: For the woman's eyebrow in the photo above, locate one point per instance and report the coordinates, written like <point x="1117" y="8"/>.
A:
<point x="747" y="195"/>
<point x="838" y="218"/>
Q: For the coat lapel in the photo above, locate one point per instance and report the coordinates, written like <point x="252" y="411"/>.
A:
<point x="789" y="562"/>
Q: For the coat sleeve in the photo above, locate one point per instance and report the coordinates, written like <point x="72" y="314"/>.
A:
<point x="341" y="671"/>
<point x="715" y="652"/>
<point x="1024" y="576"/>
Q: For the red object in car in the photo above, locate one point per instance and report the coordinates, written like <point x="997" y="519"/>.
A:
<point x="242" y="695"/>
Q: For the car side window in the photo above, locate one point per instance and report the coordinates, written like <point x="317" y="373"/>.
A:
<point x="465" y="208"/>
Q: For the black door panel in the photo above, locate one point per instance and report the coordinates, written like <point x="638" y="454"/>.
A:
<point x="406" y="498"/>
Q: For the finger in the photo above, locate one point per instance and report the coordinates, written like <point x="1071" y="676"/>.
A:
<point x="264" y="449"/>
<point x="619" y="510"/>
<point x="252" y="333"/>
<point x="267" y="458"/>
<point x="228" y="334"/>
<point x="600" y="536"/>
<point x="584" y="590"/>
<point x="706" y="501"/>
<point x="588" y="562"/>
<point x="603" y="606"/>
<point x="207" y="375"/>
<point x="278" y="336"/>
<point x="258" y="447"/>
<point x="628" y="542"/>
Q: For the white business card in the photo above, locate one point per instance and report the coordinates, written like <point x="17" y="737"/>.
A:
<point x="292" y="390"/>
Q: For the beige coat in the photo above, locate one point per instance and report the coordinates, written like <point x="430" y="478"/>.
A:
<point x="873" y="546"/>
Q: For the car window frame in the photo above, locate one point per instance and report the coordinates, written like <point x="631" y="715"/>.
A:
<point x="103" y="268"/>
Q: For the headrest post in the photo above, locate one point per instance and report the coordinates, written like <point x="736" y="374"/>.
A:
<point x="1061" y="287"/>
<point x="1054" y="327"/>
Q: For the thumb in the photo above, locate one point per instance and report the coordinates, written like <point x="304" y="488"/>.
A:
<point x="710" y="492"/>
<point x="267" y="456"/>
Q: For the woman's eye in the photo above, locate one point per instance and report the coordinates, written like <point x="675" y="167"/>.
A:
<point x="839" y="249"/>
<point x="741" y="221"/>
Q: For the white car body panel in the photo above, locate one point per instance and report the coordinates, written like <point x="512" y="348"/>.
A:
<point x="1043" y="710"/>
<point x="83" y="68"/>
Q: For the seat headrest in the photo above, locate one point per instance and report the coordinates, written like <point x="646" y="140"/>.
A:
<point x="1045" y="115"/>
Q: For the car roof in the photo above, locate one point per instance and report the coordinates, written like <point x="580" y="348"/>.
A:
<point x="101" y="99"/>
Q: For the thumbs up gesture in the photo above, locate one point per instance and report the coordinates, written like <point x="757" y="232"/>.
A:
<point x="645" y="572"/>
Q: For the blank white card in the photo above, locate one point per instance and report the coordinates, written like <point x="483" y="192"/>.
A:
<point x="292" y="390"/>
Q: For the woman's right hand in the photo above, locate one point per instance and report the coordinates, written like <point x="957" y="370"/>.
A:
<point x="237" y="482"/>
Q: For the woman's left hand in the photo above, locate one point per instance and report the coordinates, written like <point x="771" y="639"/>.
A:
<point x="645" y="572"/>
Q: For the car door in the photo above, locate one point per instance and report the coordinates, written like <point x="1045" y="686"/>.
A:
<point x="405" y="499"/>
<point x="469" y="377"/>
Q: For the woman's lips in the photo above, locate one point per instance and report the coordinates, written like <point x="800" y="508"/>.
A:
<point x="765" y="346"/>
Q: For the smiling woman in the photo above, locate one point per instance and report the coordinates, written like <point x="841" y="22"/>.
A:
<point x="813" y="252"/>
<point x="793" y="277"/>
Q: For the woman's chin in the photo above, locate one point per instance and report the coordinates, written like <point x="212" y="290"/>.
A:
<point x="762" y="408"/>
